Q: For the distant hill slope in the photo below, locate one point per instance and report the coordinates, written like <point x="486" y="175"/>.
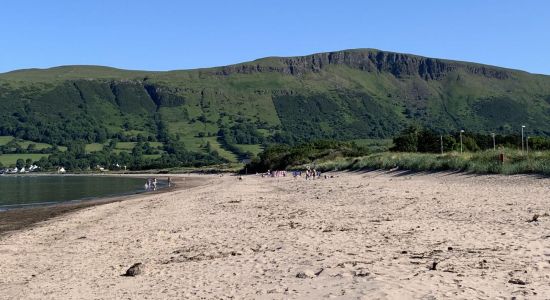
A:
<point x="351" y="94"/>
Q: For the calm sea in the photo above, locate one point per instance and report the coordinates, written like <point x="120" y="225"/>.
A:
<point x="19" y="191"/>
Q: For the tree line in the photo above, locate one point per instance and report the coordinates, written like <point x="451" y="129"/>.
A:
<point x="416" y="139"/>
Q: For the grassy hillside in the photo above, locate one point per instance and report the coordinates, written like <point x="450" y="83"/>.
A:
<point x="358" y="94"/>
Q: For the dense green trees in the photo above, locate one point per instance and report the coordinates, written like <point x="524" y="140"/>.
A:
<point x="60" y="133"/>
<point x="240" y="133"/>
<point x="20" y="163"/>
<point x="75" y="159"/>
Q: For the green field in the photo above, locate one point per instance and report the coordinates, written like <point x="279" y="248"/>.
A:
<point x="9" y="160"/>
<point x="38" y="146"/>
<point x="125" y="145"/>
<point x="221" y="151"/>
<point x="94" y="147"/>
<point x="254" y="149"/>
<point x="5" y="139"/>
<point x="24" y="144"/>
<point x="118" y="151"/>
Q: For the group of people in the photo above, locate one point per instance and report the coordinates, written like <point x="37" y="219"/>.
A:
<point x="274" y="173"/>
<point x="309" y="174"/>
<point x="312" y="174"/>
<point x="151" y="184"/>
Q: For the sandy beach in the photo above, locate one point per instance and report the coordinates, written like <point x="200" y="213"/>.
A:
<point x="364" y="235"/>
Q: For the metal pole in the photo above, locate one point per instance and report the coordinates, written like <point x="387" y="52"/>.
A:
<point x="522" y="147"/>
<point x="494" y="144"/>
<point x="461" y="141"/>
<point x="441" y="144"/>
<point x="527" y="144"/>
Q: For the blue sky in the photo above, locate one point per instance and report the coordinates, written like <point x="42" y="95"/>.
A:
<point x="166" y="35"/>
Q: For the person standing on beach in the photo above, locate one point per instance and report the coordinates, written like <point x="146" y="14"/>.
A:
<point x="169" y="182"/>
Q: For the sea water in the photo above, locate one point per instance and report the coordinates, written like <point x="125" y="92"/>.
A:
<point x="27" y="190"/>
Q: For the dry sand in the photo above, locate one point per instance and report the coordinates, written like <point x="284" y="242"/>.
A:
<point x="358" y="235"/>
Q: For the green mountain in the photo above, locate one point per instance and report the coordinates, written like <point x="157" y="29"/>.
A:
<point x="345" y="95"/>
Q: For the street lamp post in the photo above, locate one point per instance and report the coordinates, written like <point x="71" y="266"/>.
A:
<point x="494" y="143"/>
<point x="522" y="142"/>
<point x="461" y="132"/>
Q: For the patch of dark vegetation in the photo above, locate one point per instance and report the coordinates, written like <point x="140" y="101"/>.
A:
<point x="501" y="110"/>
<point x="338" y="115"/>
<point x="162" y="96"/>
<point x="280" y="157"/>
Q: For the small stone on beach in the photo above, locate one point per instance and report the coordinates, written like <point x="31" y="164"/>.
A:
<point x="305" y="274"/>
<point x="517" y="281"/>
<point x="134" y="270"/>
<point x="535" y="218"/>
<point x="361" y="273"/>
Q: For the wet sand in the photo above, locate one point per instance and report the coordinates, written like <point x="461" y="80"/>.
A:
<point x="370" y="235"/>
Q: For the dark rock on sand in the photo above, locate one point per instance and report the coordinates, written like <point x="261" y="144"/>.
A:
<point x="517" y="281"/>
<point x="535" y="218"/>
<point x="361" y="273"/>
<point x="134" y="270"/>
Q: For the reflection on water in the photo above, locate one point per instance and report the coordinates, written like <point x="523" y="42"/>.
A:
<point x="18" y="191"/>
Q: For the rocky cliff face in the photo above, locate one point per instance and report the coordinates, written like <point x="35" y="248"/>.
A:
<point x="400" y="65"/>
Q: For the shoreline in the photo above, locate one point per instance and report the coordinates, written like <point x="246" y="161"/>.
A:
<point x="13" y="220"/>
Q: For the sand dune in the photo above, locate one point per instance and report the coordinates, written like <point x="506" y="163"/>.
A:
<point x="355" y="236"/>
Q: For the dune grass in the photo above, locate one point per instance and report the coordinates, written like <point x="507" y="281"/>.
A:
<point x="485" y="162"/>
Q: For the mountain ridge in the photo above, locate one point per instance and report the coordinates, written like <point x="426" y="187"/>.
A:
<point x="328" y="55"/>
<point x="344" y="95"/>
